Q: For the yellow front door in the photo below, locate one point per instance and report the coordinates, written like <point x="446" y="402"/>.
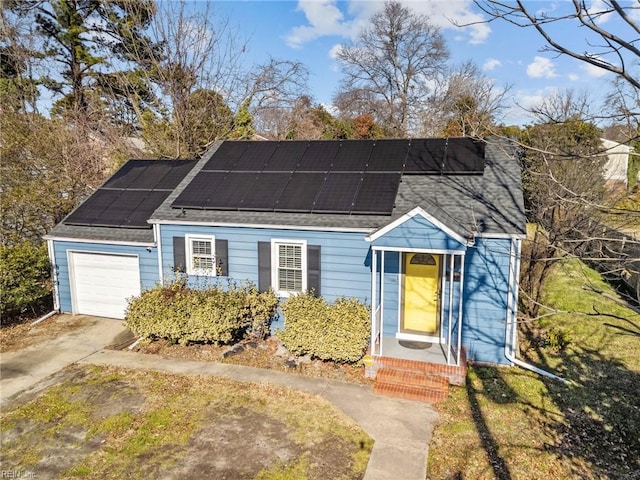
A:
<point x="420" y="314"/>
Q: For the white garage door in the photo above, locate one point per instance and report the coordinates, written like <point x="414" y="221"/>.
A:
<point x="101" y="283"/>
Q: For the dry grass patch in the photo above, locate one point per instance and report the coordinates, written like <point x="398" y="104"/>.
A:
<point x="17" y="336"/>
<point x="105" y="423"/>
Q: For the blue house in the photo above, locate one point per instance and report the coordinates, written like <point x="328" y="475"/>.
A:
<point x="427" y="232"/>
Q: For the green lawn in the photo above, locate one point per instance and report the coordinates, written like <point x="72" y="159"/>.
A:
<point x="509" y="423"/>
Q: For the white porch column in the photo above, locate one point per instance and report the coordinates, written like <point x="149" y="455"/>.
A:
<point x="461" y="304"/>
<point x="451" y="273"/>
<point x="374" y="306"/>
<point x="381" y="326"/>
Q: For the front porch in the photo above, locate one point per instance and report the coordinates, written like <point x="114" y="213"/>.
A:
<point x="435" y="332"/>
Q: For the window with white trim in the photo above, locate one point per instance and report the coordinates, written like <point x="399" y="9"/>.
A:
<point x="201" y="255"/>
<point x="289" y="266"/>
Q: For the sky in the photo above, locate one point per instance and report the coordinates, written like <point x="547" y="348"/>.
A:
<point x="310" y="31"/>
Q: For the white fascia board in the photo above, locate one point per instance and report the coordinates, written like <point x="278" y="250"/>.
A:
<point x="436" y="251"/>
<point x="520" y="236"/>
<point x="104" y="242"/>
<point x="260" y="225"/>
<point x="409" y="215"/>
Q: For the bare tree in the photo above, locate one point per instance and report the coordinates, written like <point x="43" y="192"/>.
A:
<point x="615" y="51"/>
<point x="392" y="62"/>
<point x="464" y="103"/>
<point x="571" y="212"/>
<point x="200" y="78"/>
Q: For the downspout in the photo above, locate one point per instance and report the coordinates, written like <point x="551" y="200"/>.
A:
<point x="509" y="347"/>
<point x="158" y="239"/>
<point x="54" y="285"/>
<point x="54" y="276"/>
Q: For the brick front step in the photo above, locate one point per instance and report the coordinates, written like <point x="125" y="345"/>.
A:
<point x="456" y="375"/>
<point x="415" y="380"/>
<point x="422" y="394"/>
<point x="411" y="378"/>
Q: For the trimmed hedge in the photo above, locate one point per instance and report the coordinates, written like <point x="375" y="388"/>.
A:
<point x="338" y="332"/>
<point x="182" y="315"/>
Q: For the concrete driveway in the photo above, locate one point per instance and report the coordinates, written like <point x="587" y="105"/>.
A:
<point x="24" y="368"/>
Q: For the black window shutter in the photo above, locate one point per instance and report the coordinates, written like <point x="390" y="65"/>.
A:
<point x="222" y="257"/>
<point x="179" y="255"/>
<point x="313" y="269"/>
<point x="264" y="266"/>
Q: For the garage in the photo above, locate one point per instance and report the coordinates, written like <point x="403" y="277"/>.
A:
<point x="102" y="283"/>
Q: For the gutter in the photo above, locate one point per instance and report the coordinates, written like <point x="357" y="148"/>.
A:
<point x="509" y="347"/>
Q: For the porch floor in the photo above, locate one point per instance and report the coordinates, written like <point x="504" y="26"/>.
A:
<point x="412" y="350"/>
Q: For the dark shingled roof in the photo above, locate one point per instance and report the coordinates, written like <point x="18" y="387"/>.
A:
<point x="491" y="204"/>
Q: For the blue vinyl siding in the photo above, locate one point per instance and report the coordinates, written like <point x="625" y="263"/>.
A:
<point x="485" y="299"/>
<point x="418" y="232"/>
<point x="391" y="292"/>
<point x="148" y="261"/>
<point x="345" y="260"/>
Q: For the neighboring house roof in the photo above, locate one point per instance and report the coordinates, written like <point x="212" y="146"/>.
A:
<point x="470" y="187"/>
<point x="617" y="162"/>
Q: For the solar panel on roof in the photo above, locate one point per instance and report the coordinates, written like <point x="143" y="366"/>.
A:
<point x="231" y="190"/>
<point x="352" y="156"/>
<point x="286" y="156"/>
<point x="425" y="156"/>
<point x="464" y="155"/>
<point x="377" y="194"/>
<point x="300" y="192"/>
<point x="265" y="191"/>
<point x="150" y="174"/>
<point x="199" y="190"/>
<point x="338" y="193"/>
<point x="130" y="205"/>
<point x="138" y="218"/>
<point x="318" y="156"/>
<point x="93" y="207"/>
<point x="127" y="175"/>
<point x="256" y="156"/>
<point x="388" y="156"/>
<point x="226" y="156"/>
<point x="445" y="156"/>
<point x="126" y="203"/>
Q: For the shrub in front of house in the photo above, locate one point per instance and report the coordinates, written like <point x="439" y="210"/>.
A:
<point x="338" y="331"/>
<point x="25" y="283"/>
<point x="182" y="315"/>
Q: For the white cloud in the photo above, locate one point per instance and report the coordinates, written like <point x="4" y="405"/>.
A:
<point x="491" y="64"/>
<point x="524" y="101"/>
<point x="541" y="68"/>
<point x="574" y="77"/>
<point x="324" y="18"/>
<point x="593" y="71"/>
<point x="333" y="53"/>
<point x="597" y="8"/>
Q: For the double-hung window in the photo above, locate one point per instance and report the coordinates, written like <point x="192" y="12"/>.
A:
<point x="289" y="266"/>
<point x="201" y="255"/>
